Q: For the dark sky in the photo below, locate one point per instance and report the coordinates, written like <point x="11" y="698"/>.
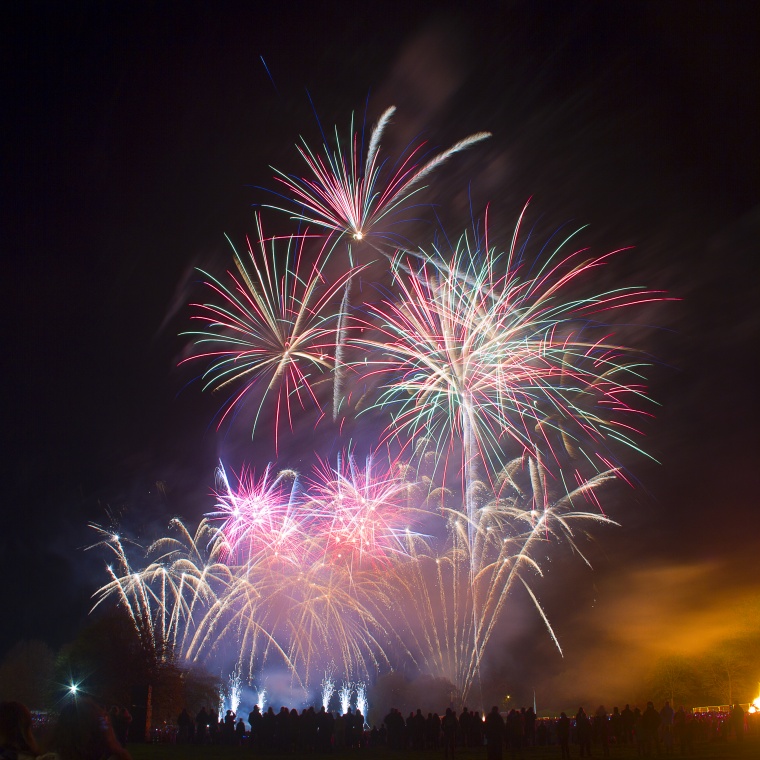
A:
<point x="135" y="136"/>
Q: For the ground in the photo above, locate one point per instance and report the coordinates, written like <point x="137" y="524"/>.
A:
<point x="747" y="750"/>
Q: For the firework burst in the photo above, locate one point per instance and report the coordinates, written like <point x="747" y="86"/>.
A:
<point x="461" y="586"/>
<point x="475" y="351"/>
<point x="271" y="331"/>
<point x="183" y="577"/>
<point x="349" y="196"/>
<point x="363" y="512"/>
<point x="258" y="517"/>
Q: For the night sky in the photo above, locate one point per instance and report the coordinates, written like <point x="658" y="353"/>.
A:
<point x="137" y="135"/>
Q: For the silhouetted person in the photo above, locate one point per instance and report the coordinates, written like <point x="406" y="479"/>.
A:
<point x="268" y="730"/>
<point x="649" y="726"/>
<point x="736" y="717"/>
<point x="183" y="725"/>
<point x="476" y="730"/>
<point x="530" y="727"/>
<point x="514" y="733"/>
<point x="416" y="726"/>
<point x="84" y="732"/>
<point x="666" y="727"/>
<point x="679" y="728"/>
<point x="228" y="728"/>
<point x="433" y="731"/>
<point x="464" y="727"/>
<point x="563" y="735"/>
<point x="450" y="728"/>
<point x="616" y="726"/>
<point x="583" y="732"/>
<point x="626" y="725"/>
<point x="201" y="726"/>
<point x="359" y="728"/>
<point x="254" y="720"/>
<point x="16" y="739"/>
<point x="213" y="726"/>
<point x="495" y="734"/>
<point x="601" y="730"/>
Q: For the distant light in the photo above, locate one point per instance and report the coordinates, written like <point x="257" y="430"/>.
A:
<point x="74" y="688"/>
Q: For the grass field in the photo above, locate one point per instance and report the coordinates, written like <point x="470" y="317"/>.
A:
<point x="747" y="750"/>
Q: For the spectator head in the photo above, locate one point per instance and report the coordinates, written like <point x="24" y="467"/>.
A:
<point x="84" y="732"/>
<point x="16" y="728"/>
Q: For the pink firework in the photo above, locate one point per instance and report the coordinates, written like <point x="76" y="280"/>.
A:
<point x="270" y="334"/>
<point x="259" y="517"/>
<point x="361" y="512"/>
<point x="348" y="195"/>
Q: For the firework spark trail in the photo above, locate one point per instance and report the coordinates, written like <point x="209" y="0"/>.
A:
<point x="273" y="332"/>
<point x="328" y="689"/>
<point x="340" y="342"/>
<point x="343" y="196"/>
<point x="259" y="516"/>
<point x="472" y="355"/>
<point x="458" y="603"/>
<point x="234" y="691"/>
<point x="167" y="597"/>
<point x="129" y="589"/>
<point x="344" y="695"/>
<point x="360" y="511"/>
<point x="362" y="704"/>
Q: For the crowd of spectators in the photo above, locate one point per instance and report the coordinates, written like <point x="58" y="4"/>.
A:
<point x="649" y="732"/>
<point x="84" y="731"/>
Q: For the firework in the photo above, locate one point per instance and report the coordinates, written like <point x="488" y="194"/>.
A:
<point x="258" y="517"/>
<point x="362" y="513"/>
<point x="271" y="331"/>
<point x="230" y="696"/>
<point x="344" y="695"/>
<point x="460" y="587"/>
<point x="291" y="595"/>
<point x="493" y="381"/>
<point x="183" y="577"/>
<point x="328" y="689"/>
<point x="475" y="352"/>
<point x="362" y="705"/>
<point x="347" y="195"/>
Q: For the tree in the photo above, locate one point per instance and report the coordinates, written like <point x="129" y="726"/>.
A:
<point x="727" y="672"/>
<point x="175" y="688"/>
<point x="106" y="660"/>
<point x="26" y="674"/>
<point x="426" y="692"/>
<point x="111" y="662"/>
<point x="674" y="679"/>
